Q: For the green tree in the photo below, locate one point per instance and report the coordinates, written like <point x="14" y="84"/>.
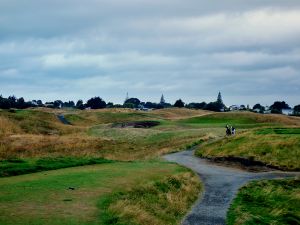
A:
<point x="21" y="103"/>
<point x="132" y="101"/>
<point x="297" y="110"/>
<point x="96" y="103"/>
<point x="259" y="107"/>
<point x="179" y="103"/>
<point x="220" y="100"/>
<point x="79" y="104"/>
<point x="278" y="106"/>
<point x="162" y="100"/>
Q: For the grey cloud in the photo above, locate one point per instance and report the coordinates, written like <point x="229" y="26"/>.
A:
<point x="73" y="49"/>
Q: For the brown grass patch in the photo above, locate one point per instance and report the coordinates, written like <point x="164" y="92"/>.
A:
<point x="7" y="127"/>
<point x="160" y="203"/>
<point x="179" y="113"/>
<point x="35" y="146"/>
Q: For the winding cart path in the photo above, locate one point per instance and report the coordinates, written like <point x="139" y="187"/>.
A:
<point x="221" y="183"/>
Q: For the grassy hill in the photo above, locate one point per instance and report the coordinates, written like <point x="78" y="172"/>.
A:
<point x="279" y="147"/>
<point x="38" y="133"/>
<point x="113" y="193"/>
<point x="104" y="191"/>
<point x="28" y="134"/>
<point x="118" y="174"/>
<point x="267" y="202"/>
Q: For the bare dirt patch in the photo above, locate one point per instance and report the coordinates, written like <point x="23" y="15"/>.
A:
<point x="243" y="163"/>
<point x="137" y="124"/>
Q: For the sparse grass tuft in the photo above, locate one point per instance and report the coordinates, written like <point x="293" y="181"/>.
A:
<point x="275" y="202"/>
<point x="162" y="202"/>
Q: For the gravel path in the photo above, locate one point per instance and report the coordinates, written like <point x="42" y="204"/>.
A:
<point x="221" y="185"/>
<point x="63" y="119"/>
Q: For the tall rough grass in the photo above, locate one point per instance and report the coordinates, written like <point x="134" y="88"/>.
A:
<point x="281" y="150"/>
<point x="275" y="202"/>
<point x="160" y="203"/>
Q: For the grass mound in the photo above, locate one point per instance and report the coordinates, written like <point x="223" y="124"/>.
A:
<point x="12" y="167"/>
<point x="279" y="131"/>
<point x="177" y="113"/>
<point x="275" y="147"/>
<point x="106" y="116"/>
<point x="241" y="120"/>
<point x="274" y="202"/>
<point x="32" y="122"/>
<point x="71" y="196"/>
<point x="161" y="202"/>
<point x="138" y="124"/>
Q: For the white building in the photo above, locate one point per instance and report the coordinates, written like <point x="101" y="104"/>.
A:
<point x="287" y="112"/>
<point x="234" y="107"/>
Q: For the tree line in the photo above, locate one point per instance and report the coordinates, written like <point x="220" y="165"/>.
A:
<point x="135" y="103"/>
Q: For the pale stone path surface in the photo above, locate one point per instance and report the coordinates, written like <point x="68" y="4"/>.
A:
<point x="221" y="184"/>
<point x="63" y="119"/>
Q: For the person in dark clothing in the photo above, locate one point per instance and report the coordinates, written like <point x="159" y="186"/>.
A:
<point x="232" y="130"/>
<point x="228" y="131"/>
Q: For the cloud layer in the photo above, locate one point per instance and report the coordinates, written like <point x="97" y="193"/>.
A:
<point x="248" y="50"/>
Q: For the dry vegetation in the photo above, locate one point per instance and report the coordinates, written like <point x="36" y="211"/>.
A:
<point x="276" y="149"/>
<point x="275" y="202"/>
<point x="35" y="136"/>
<point x="176" y="113"/>
<point x="38" y="133"/>
<point x="44" y="198"/>
<point x="159" y="203"/>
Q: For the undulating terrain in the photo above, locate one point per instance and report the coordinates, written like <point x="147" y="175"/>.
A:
<point x="115" y="174"/>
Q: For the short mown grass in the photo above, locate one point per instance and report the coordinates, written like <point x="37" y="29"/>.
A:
<point x="13" y="167"/>
<point x="280" y="130"/>
<point x="75" y="195"/>
<point x="240" y="120"/>
<point x="275" y="202"/>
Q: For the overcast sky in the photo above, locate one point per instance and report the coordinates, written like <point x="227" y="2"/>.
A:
<point x="73" y="49"/>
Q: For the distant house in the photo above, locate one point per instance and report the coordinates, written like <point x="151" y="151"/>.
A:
<point x="49" y="105"/>
<point x="267" y="110"/>
<point x="34" y="103"/>
<point x="256" y="110"/>
<point x="142" y="108"/>
<point x="242" y="107"/>
<point x="234" y="108"/>
<point x="287" y="112"/>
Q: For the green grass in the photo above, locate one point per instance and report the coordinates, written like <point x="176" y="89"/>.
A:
<point x="275" y="202"/>
<point x="239" y="120"/>
<point x="105" y="117"/>
<point x="116" y="192"/>
<point x="34" y="122"/>
<point x="286" y="131"/>
<point x="276" y="147"/>
<point x="12" y="167"/>
<point x="91" y="133"/>
<point x="161" y="202"/>
<point x="136" y="143"/>
<point x="219" y="120"/>
<point x="77" y="119"/>
<point x="45" y="197"/>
